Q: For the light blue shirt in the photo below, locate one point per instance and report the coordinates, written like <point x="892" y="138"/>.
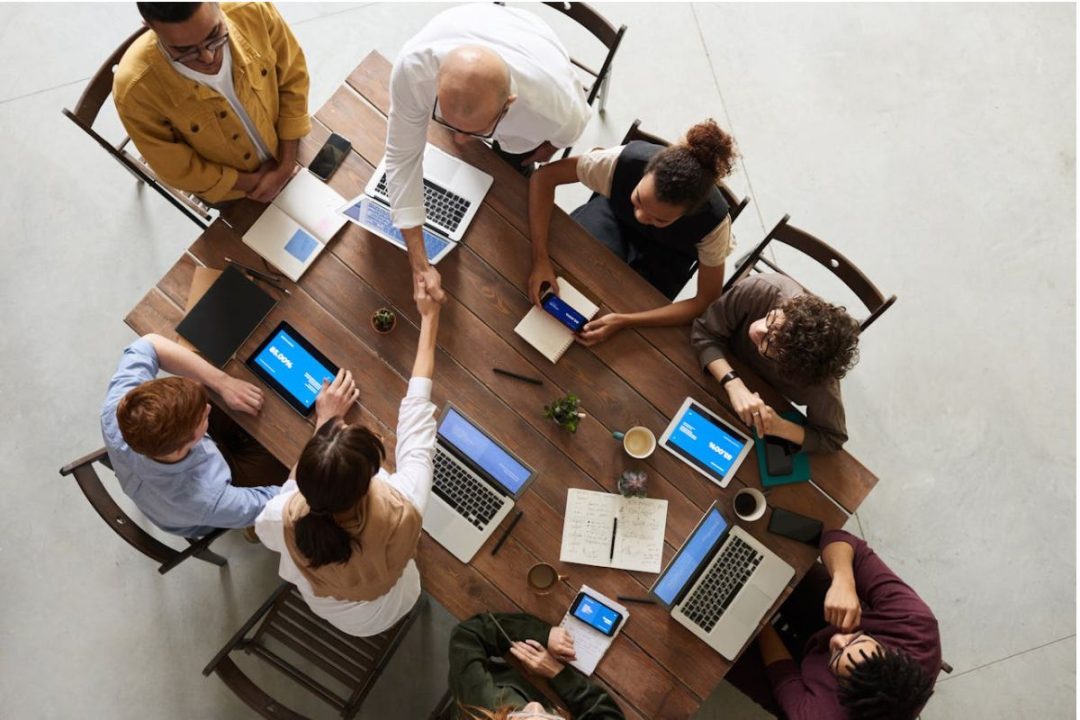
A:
<point x="190" y="497"/>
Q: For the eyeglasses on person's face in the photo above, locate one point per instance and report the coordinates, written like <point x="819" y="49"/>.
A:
<point x="860" y="638"/>
<point x="482" y="135"/>
<point x="190" y="53"/>
<point x="773" y="320"/>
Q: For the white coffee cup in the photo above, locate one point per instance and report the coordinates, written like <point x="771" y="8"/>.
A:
<point x="638" y="442"/>
<point x="758" y="499"/>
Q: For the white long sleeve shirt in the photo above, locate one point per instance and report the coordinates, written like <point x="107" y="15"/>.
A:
<point x="413" y="479"/>
<point x="550" y="106"/>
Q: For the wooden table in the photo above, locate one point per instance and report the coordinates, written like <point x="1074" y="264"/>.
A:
<point x="656" y="669"/>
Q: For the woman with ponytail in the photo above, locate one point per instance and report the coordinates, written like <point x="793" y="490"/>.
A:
<point x="347" y="530"/>
<point x="657" y="208"/>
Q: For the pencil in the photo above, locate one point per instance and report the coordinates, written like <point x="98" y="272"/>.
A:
<point x="506" y="532"/>
<point x="525" y="378"/>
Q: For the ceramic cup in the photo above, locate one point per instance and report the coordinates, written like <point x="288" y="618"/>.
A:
<point x="749" y="504"/>
<point x="638" y="442"/>
<point x="543" y="577"/>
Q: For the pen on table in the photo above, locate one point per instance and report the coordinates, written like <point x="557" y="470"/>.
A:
<point x="260" y="275"/>
<point x="506" y="532"/>
<point x="642" y="600"/>
<point x="614" y="529"/>
<point x="525" y="378"/>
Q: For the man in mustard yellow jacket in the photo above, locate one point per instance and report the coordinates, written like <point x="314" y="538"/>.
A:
<point x="215" y="98"/>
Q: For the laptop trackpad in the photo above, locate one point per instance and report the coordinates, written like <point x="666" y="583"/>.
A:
<point x="749" y="606"/>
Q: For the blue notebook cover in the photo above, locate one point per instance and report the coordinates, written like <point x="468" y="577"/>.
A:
<point x="800" y="460"/>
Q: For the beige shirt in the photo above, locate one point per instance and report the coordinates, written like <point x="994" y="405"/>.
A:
<point x="596" y="170"/>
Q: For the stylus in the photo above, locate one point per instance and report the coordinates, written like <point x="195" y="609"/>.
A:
<point x="514" y="375"/>
<point x="273" y="280"/>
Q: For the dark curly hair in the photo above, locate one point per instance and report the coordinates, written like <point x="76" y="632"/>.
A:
<point x="687" y="172"/>
<point x="167" y="12"/>
<point x="816" y="342"/>
<point x="888" y="685"/>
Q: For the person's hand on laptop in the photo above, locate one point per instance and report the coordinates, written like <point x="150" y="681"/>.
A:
<point x="536" y="658"/>
<point x="600" y="329"/>
<point x="335" y="398"/>
<point x="561" y="644"/>
<point x="542" y="272"/>
<point x="239" y="395"/>
<point x="842" y="607"/>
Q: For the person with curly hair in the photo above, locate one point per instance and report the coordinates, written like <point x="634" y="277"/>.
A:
<point x="657" y="208"/>
<point x="852" y="642"/>
<point x="798" y="343"/>
<point x="485" y="687"/>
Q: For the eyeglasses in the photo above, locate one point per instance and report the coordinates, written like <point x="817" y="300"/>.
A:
<point x="834" y="661"/>
<point x="483" y="136"/>
<point x="770" y="331"/>
<point x="210" y="46"/>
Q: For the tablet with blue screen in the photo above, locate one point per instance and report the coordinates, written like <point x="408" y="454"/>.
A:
<point x="710" y="445"/>
<point x="292" y="367"/>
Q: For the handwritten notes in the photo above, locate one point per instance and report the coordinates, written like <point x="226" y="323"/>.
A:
<point x="590" y="644"/>
<point x="613" y="531"/>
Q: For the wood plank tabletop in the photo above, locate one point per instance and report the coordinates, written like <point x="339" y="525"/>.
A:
<point x="637" y="378"/>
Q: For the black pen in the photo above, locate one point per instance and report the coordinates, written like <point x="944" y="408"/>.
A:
<point x="614" y="529"/>
<point x="506" y="532"/>
<point x="257" y="273"/>
<point x="642" y="600"/>
<point x="525" y="378"/>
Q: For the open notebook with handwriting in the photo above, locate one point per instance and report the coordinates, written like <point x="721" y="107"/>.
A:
<point x="610" y="530"/>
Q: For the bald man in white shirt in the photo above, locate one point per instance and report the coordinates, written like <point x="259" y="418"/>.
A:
<point x="483" y="71"/>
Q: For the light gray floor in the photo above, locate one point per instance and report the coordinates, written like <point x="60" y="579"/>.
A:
<point x="933" y="144"/>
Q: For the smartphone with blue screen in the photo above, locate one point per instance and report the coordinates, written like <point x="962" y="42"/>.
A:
<point x="561" y="311"/>
<point x="596" y="614"/>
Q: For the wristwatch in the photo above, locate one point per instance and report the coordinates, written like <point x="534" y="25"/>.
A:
<point x="728" y="378"/>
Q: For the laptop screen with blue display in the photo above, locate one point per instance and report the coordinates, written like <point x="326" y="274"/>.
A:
<point x="695" y="552"/>
<point x="706" y="443"/>
<point x="484" y="452"/>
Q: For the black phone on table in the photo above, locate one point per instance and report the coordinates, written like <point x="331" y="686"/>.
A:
<point x="779" y="456"/>
<point x="561" y="311"/>
<point x="596" y="614"/>
<point x="330" y="156"/>
<point x="789" y="524"/>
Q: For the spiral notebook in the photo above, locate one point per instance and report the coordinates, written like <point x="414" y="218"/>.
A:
<point x="547" y="334"/>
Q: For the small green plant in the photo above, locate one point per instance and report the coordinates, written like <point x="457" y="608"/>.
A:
<point x="383" y="320"/>
<point x="565" y="412"/>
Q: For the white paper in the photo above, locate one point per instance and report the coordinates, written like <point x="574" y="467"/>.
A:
<point x="313" y="204"/>
<point x="589" y="643"/>
<point x="591" y="535"/>
<point x="270" y="235"/>
<point x="547" y="334"/>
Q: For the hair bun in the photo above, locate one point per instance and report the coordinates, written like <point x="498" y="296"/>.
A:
<point x="712" y="147"/>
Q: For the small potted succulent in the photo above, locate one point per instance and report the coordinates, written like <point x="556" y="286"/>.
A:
<point x="632" y="483"/>
<point x="383" y="320"/>
<point x="565" y="411"/>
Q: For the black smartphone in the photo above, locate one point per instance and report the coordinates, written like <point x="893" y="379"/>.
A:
<point x="778" y="456"/>
<point x="561" y="311"/>
<point x="795" y="526"/>
<point x="330" y="156"/>
<point x="596" y="614"/>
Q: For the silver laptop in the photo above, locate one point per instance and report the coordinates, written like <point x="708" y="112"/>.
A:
<point x="721" y="583"/>
<point x="453" y="191"/>
<point x="477" y="481"/>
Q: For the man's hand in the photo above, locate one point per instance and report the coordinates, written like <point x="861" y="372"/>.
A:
<point x="541" y="155"/>
<point x="335" y="398"/>
<point x="240" y="396"/>
<point x="270" y="184"/>
<point x="542" y="272"/>
<point x="536" y="658"/>
<point x="426" y="305"/>
<point x="842" y="607"/>
<point x="561" y="644"/>
<point x="428" y="281"/>
<point x="746" y="403"/>
<point x="600" y="329"/>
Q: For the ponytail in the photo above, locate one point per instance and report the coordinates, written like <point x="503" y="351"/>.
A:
<point x="322" y="540"/>
<point x="686" y="173"/>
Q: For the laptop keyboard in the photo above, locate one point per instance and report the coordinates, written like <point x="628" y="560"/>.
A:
<point x="721" y="583"/>
<point x="464" y="492"/>
<point x="442" y="207"/>
<point x="379" y="217"/>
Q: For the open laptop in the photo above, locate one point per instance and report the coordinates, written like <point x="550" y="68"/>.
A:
<point x="453" y="191"/>
<point x="721" y="583"/>
<point x="477" y="481"/>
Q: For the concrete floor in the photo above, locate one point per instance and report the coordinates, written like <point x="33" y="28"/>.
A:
<point x="932" y="144"/>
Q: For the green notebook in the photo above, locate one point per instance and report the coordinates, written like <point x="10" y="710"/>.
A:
<point x="800" y="461"/>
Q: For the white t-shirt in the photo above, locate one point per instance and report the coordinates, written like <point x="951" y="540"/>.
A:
<point x="222" y="84"/>
<point x="550" y="106"/>
<point x="413" y="478"/>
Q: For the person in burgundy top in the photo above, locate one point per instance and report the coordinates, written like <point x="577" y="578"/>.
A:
<point x="874" y="652"/>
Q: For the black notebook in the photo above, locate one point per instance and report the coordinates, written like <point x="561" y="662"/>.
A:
<point x="229" y="311"/>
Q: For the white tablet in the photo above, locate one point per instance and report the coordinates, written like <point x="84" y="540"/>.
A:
<point x="706" y="443"/>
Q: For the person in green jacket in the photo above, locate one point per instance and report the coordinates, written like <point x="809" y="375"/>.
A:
<point x="485" y="687"/>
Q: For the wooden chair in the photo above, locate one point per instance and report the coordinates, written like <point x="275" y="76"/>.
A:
<point x="867" y="293"/>
<point x="125" y="527"/>
<point x="735" y="204"/>
<point x="295" y="632"/>
<point x="85" y="114"/>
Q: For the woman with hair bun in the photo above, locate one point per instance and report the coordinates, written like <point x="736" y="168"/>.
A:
<point x="347" y="530"/>
<point x="657" y="208"/>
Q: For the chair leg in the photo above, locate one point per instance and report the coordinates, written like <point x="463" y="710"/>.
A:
<point x="604" y="90"/>
<point x="198" y="548"/>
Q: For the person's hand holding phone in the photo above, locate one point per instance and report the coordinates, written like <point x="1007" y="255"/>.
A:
<point x="600" y="329"/>
<point x="541" y="280"/>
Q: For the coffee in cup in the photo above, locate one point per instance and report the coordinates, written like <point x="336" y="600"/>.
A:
<point x="542" y="578"/>
<point x="749" y="504"/>
<point x="639" y="442"/>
